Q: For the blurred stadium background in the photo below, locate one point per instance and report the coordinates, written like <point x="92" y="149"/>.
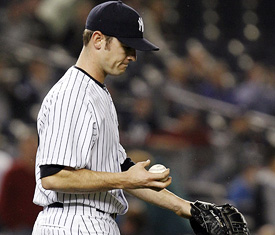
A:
<point x="203" y="105"/>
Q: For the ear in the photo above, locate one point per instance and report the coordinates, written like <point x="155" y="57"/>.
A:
<point x="97" y="39"/>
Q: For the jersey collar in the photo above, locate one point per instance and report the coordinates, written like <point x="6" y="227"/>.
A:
<point x="97" y="82"/>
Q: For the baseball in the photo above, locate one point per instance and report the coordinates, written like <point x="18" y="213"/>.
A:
<point x="158" y="168"/>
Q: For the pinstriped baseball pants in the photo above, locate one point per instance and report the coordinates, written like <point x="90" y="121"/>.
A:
<point x="74" y="221"/>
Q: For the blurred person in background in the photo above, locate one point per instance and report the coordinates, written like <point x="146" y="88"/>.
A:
<point x="192" y="129"/>
<point x="218" y="83"/>
<point x="17" y="211"/>
<point x="210" y="77"/>
<point x="7" y="78"/>
<point x="71" y="39"/>
<point x="39" y="74"/>
<point x="242" y="191"/>
<point x="200" y="61"/>
<point x="19" y="23"/>
<point x="6" y="161"/>
<point x="29" y="89"/>
<point x="265" y="194"/>
<point x="187" y="130"/>
<point x="257" y="91"/>
<point x="233" y="148"/>
<point x="177" y="73"/>
<point x="142" y="122"/>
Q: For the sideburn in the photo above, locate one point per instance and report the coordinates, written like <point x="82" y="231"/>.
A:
<point x="108" y="40"/>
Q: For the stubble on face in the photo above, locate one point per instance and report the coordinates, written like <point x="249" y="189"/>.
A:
<point x="115" y="62"/>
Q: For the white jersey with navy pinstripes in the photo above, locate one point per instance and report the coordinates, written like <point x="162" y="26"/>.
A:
<point x="77" y="126"/>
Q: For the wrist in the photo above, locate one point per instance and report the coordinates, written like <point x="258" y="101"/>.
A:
<point x="123" y="180"/>
<point x="184" y="210"/>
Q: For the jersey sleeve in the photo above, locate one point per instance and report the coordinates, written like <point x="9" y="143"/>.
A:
<point x="67" y="129"/>
<point x="121" y="154"/>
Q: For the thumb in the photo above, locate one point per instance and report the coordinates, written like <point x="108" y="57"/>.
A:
<point x="146" y="163"/>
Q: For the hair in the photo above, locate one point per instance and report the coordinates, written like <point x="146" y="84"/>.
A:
<point x="87" y="34"/>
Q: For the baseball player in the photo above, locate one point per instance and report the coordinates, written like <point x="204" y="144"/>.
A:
<point x="81" y="168"/>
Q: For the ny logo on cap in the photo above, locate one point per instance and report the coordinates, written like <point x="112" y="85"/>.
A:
<point x="141" y="25"/>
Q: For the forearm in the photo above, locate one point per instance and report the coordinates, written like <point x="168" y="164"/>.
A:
<point x="82" y="181"/>
<point x="164" y="199"/>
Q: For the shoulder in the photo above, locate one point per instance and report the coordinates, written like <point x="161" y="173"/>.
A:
<point x="72" y="83"/>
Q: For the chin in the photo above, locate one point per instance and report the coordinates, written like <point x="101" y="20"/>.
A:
<point x="117" y="73"/>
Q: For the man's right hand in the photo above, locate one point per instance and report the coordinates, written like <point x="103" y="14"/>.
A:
<point x="138" y="177"/>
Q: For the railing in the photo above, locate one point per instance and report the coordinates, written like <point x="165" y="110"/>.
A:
<point x="199" y="102"/>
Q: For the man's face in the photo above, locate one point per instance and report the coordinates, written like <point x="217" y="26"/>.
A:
<point x="116" y="57"/>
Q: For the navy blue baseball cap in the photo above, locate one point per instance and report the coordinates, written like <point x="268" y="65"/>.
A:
<point x="116" y="19"/>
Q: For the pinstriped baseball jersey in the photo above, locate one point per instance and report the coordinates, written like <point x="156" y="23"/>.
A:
<point x="55" y="221"/>
<point x="77" y="126"/>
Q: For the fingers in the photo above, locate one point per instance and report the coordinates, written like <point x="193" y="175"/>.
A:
<point x="161" y="176"/>
<point x="159" y="185"/>
<point x="166" y="173"/>
<point x="161" y="180"/>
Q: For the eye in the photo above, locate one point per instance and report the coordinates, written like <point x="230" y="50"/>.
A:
<point x="129" y="50"/>
<point x="126" y="48"/>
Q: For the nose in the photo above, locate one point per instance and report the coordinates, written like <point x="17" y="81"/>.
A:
<point x="132" y="55"/>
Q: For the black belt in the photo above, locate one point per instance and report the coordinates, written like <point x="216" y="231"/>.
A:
<point x="56" y="205"/>
<point x="61" y="205"/>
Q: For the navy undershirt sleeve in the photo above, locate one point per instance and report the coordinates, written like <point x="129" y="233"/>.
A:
<point x="127" y="164"/>
<point x="47" y="170"/>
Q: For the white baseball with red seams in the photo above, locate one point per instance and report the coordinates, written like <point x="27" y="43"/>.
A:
<point x="158" y="168"/>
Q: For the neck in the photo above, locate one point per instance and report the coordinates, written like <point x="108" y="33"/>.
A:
<point x="91" y="66"/>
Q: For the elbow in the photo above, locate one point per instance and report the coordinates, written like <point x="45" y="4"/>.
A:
<point x="48" y="183"/>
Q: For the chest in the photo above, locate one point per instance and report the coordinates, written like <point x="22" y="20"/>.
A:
<point x="106" y="115"/>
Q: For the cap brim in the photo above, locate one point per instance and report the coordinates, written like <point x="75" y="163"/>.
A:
<point x="140" y="44"/>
